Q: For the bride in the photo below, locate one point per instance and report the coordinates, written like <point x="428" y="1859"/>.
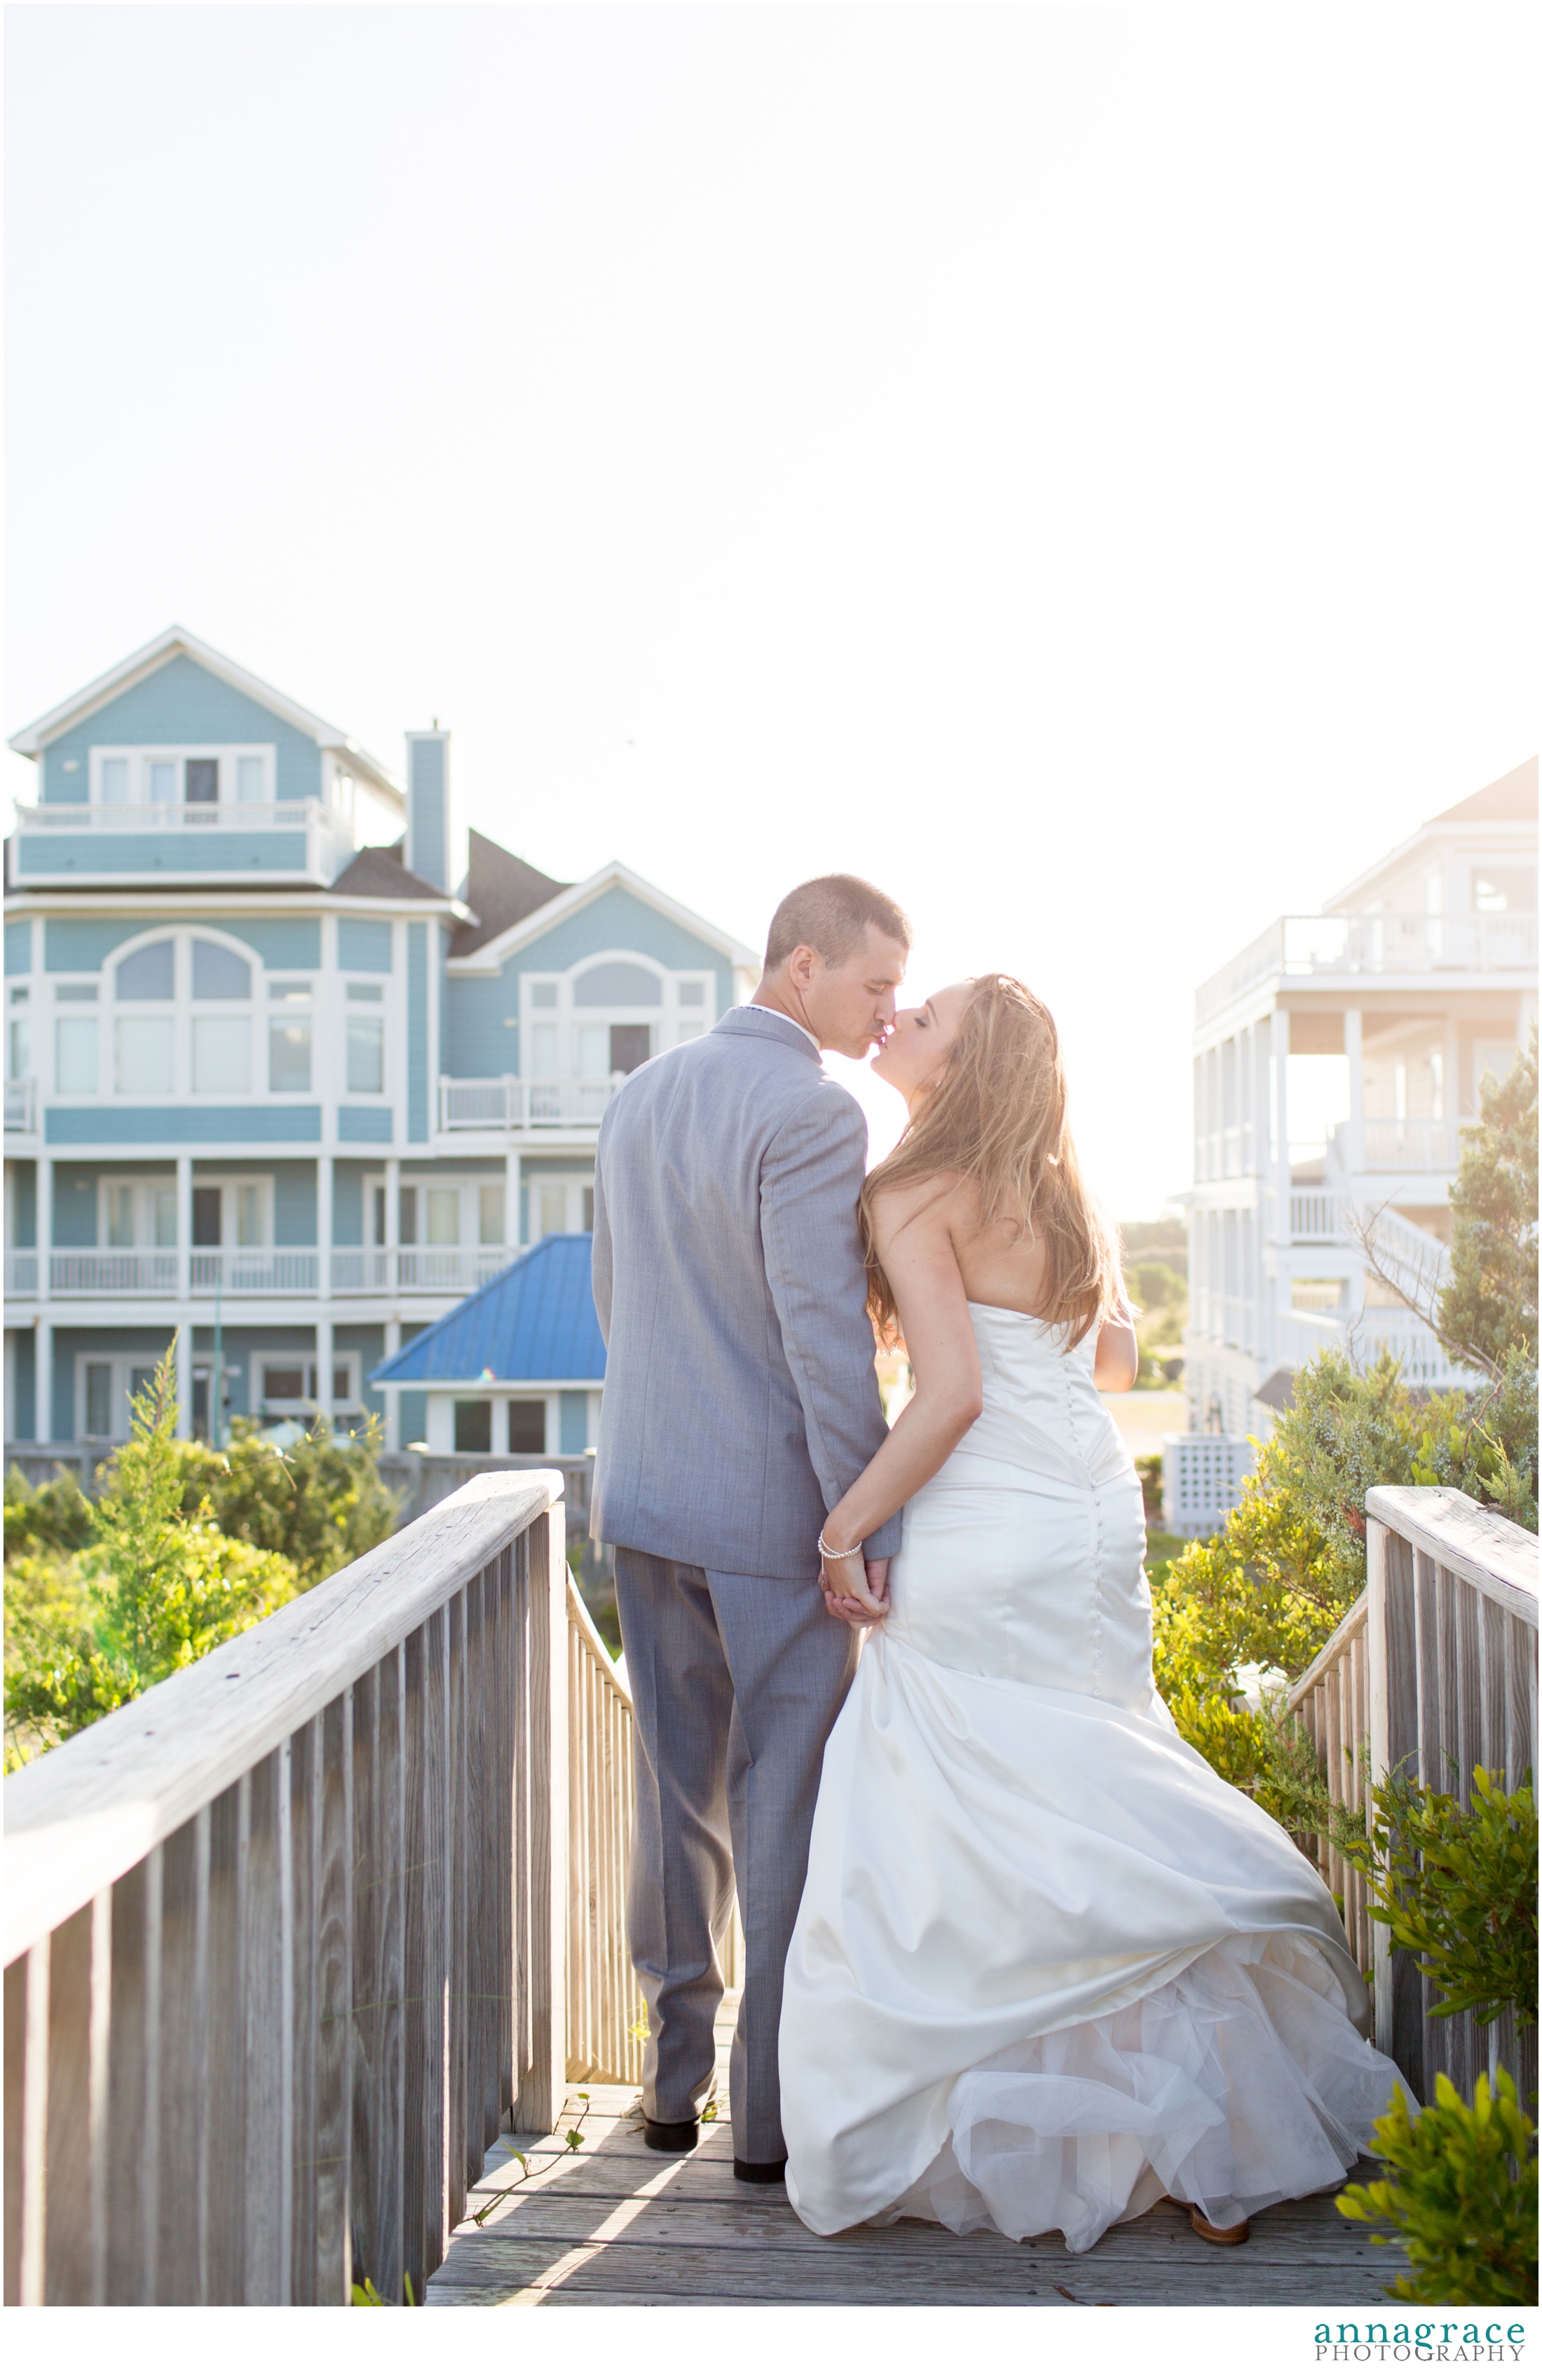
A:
<point x="1048" y="1968"/>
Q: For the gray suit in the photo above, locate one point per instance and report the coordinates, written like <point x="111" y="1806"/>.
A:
<point x="740" y="1405"/>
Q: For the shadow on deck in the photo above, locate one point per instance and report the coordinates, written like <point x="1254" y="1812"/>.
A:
<point x="614" y="2225"/>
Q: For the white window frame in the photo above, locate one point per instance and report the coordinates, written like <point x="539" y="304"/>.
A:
<point x="141" y="756"/>
<point x="145" y="1188"/>
<point x="124" y="1366"/>
<point x="230" y="1187"/>
<point x="573" y="1187"/>
<point x="305" y="1360"/>
<point x="671" y="1021"/>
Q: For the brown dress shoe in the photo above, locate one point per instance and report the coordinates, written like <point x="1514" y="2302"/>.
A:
<point x="1229" y="2235"/>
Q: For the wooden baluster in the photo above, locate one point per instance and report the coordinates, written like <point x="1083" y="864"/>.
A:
<point x="390" y="1776"/>
<point x="334" y="1840"/>
<point x="229" y="2079"/>
<point x="132" y="2156"/>
<point x="268" y="2047"/>
<point x="17" y="2177"/>
<point x="182" y="2274"/>
<point x="67" y="2235"/>
<point x="500" y="1876"/>
<point x="305" y="1810"/>
<point x="543" y="2089"/>
<point x="363" y="2210"/>
<point x="457" y="1953"/>
<point x="423" y="2019"/>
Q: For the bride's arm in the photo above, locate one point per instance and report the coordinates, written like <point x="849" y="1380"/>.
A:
<point x="914" y="1244"/>
<point x="1116" y="1365"/>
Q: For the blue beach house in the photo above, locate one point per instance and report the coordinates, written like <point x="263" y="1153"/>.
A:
<point x="285" y="1080"/>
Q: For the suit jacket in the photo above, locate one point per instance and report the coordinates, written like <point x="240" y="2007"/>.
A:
<point x="741" y="1399"/>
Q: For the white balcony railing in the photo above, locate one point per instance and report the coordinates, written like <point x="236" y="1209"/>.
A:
<point x="251" y="1273"/>
<point x="22" y="1105"/>
<point x="1411" y="1144"/>
<point x="166" y="818"/>
<point x="438" y="1272"/>
<point x="1379" y="942"/>
<point x="222" y="827"/>
<point x="256" y="1272"/>
<point x="510" y="1102"/>
<point x="113" y="1272"/>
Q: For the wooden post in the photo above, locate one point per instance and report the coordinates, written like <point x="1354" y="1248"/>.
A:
<point x="543" y="2084"/>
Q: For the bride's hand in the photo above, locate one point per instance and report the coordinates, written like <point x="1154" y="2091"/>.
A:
<point x="856" y="1591"/>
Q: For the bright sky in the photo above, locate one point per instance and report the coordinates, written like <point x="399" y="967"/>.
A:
<point x="1071" y="464"/>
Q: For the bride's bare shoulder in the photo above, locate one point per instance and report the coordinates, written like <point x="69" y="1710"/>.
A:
<point x="941" y="1200"/>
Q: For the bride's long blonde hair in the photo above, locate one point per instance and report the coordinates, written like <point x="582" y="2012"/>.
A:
<point x="997" y="1117"/>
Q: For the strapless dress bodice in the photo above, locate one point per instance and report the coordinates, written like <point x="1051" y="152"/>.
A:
<point x="1041" y="1418"/>
<point x="1021" y="1558"/>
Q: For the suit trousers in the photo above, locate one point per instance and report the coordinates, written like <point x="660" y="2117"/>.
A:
<point x="735" y="1685"/>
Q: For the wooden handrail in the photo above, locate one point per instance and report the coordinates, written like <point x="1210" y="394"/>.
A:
<point x="286" y="1938"/>
<point x="1432" y="1674"/>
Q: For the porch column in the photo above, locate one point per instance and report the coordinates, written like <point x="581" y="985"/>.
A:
<point x="392" y="1394"/>
<point x="42" y="1380"/>
<point x="511" y="1201"/>
<point x="324" y="1361"/>
<point x="183" y="1296"/>
<point x="324" y="1229"/>
<point x="42" y="1337"/>
<point x="393" y="1235"/>
<point x="1355" y="1055"/>
<point x="500" y="1425"/>
<point x="1280" y="1051"/>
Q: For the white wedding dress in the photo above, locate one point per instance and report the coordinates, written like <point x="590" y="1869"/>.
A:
<point x="1047" y="1967"/>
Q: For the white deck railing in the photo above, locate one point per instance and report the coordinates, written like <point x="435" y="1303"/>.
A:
<point x="166" y="818"/>
<point x="511" y="1103"/>
<point x="1375" y="942"/>
<point x="1433" y="1672"/>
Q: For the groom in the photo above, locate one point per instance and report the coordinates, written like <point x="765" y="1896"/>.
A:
<point x="740" y="1403"/>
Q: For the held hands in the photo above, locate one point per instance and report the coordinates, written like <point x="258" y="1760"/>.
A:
<point x="854" y="1590"/>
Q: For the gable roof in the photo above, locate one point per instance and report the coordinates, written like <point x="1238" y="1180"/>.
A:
<point x="499" y="947"/>
<point x="501" y="891"/>
<point x="1510" y="800"/>
<point x="32" y="740"/>
<point x="534" y="1322"/>
<point x="1511" y="796"/>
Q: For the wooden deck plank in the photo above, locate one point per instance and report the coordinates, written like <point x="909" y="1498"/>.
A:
<point x="613" y="2225"/>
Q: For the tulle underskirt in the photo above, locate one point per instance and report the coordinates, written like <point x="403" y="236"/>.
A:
<point x="1241" y="2082"/>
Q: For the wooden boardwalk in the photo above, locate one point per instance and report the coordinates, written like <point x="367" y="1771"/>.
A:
<point x="611" y="2225"/>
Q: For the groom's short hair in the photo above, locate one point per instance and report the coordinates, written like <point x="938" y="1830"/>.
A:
<point x="832" y="915"/>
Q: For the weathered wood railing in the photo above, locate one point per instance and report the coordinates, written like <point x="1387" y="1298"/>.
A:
<point x="606" y="2012"/>
<point x="286" y="1939"/>
<point x="1432" y="1672"/>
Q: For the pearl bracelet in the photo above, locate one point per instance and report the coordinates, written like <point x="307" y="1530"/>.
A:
<point x="831" y="1554"/>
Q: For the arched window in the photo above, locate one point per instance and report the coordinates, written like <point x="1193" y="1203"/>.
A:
<point x="145" y="1027"/>
<point x="222" y="1020"/>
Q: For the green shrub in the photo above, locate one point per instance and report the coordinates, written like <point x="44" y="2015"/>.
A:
<point x="56" y="1518"/>
<point x="155" y="1590"/>
<point x="1459" y="2195"/>
<point x="1459" y="1888"/>
<point x="1488" y="1308"/>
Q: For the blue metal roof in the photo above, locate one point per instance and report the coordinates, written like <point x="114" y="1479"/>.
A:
<point x="534" y="1322"/>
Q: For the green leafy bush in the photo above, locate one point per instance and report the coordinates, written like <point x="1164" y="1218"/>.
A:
<point x="1488" y="1308"/>
<point x="320" y="1503"/>
<point x="1459" y="1887"/>
<point x="1269" y="1591"/>
<point x="1458" y="2193"/>
<point x="155" y="1590"/>
<point x="53" y="1519"/>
